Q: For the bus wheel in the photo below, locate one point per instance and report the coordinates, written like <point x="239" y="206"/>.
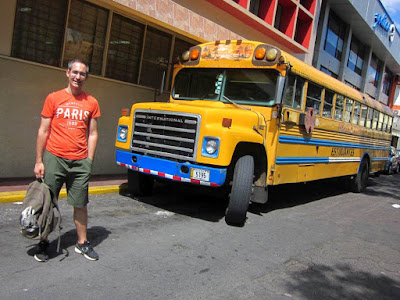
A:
<point x="139" y="184"/>
<point x="359" y="182"/>
<point x="241" y="191"/>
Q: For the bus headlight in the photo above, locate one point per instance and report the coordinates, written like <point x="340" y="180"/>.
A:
<point x="210" y="147"/>
<point x="122" y="133"/>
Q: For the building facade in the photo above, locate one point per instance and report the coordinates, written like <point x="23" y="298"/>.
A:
<point x="131" y="46"/>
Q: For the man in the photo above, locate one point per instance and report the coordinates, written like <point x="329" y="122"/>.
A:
<point x="65" y="148"/>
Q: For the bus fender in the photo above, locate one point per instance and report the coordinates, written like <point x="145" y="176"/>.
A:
<point x="365" y="157"/>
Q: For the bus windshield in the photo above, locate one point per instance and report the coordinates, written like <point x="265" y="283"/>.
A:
<point x="244" y="86"/>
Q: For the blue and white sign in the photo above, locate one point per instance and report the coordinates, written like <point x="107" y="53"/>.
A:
<point x="383" y="22"/>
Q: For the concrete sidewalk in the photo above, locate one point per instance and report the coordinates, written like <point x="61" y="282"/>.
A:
<point x="14" y="189"/>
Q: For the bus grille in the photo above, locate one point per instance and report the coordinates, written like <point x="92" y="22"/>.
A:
<point x="166" y="134"/>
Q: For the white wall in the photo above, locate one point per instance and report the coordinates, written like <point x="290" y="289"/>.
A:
<point x="23" y="88"/>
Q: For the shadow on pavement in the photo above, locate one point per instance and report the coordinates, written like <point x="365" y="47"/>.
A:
<point x="341" y="281"/>
<point x="290" y="195"/>
<point x="95" y="235"/>
<point x="193" y="201"/>
<point x="210" y="204"/>
<point x="389" y="182"/>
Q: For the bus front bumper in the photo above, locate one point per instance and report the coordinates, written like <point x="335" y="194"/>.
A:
<point x="183" y="172"/>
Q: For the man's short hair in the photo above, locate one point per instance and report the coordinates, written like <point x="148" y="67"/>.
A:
<point x="71" y="62"/>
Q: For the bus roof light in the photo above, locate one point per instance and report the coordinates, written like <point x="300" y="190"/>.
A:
<point x="125" y="112"/>
<point x="186" y="56"/>
<point x="272" y="54"/>
<point x="194" y="54"/>
<point x="260" y="53"/>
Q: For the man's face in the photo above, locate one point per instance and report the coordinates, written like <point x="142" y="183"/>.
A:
<point x="77" y="75"/>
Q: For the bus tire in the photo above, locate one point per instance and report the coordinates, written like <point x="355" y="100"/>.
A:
<point x="239" y="201"/>
<point x="359" y="182"/>
<point x="140" y="184"/>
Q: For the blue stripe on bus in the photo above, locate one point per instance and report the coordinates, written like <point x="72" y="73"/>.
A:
<point x="317" y="142"/>
<point x="301" y="160"/>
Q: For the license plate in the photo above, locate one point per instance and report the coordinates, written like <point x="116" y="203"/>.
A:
<point x="200" y="174"/>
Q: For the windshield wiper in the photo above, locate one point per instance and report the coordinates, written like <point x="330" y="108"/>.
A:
<point x="234" y="103"/>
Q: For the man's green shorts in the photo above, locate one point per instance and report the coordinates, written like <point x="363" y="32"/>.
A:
<point x="74" y="173"/>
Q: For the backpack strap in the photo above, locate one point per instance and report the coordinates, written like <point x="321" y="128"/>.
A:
<point x="58" y="224"/>
<point x="54" y="201"/>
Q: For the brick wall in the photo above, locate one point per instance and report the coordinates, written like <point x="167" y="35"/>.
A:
<point x="182" y="18"/>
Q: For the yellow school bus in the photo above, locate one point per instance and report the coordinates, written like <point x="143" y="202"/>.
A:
<point x="245" y="115"/>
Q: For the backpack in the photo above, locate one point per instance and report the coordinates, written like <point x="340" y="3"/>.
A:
<point x="38" y="218"/>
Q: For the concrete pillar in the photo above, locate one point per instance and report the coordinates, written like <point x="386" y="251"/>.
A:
<point x="321" y="34"/>
<point x="364" y="72"/>
<point x="7" y="16"/>
<point x="380" y="82"/>
<point x="346" y="52"/>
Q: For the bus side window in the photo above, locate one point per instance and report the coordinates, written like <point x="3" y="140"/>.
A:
<point x="375" y="119"/>
<point x="339" y="107"/>
<point x="389" y="128"/>
<point x="356" y="114"/>
<point x="314" y="93"/>
<point x="328" y="104"/>
<point x="380" y="121"/>
<point x="369" y="117"/>
<point x="385" y="122"/>
<point x="288" y="93"/>
<point x="298" y="96"/>
<point x="348" y="110"/>
<point x="364" y="110"/>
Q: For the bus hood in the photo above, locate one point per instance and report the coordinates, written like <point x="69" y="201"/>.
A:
<point x="212" y="111"/>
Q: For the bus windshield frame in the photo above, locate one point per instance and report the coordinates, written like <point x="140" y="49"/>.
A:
<point x="242" y="86"/>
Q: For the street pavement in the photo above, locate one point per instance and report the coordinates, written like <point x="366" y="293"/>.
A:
<point x="311" y="241"/>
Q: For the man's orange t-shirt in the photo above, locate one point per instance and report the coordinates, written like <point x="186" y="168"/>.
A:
<point x="69" y="125"/>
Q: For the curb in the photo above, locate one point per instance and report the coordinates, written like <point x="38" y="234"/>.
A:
<point x="18" y="196"/>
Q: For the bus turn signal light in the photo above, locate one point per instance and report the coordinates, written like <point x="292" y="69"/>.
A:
<point x="226" y="122"/>
<point x="260" y="53"/>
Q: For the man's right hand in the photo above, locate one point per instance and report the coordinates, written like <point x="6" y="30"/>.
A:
<point x="39" y="170"/>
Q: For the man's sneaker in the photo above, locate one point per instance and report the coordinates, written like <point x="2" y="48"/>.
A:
<point x="41" y="251"/>
<point x="86" y="250"/>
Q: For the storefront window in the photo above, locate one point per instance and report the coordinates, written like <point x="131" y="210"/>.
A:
<point x="39" y="30"/>
<point x="387" y="82"/>
<point x="124" y="49"/>
<point x="334" y="36"/>
<point x="356" y="61"/>
<point x="155" y="58"/>
<point x="373" y="71"/>
<point x="329" y="72"/>
<point x="86" y="33"/>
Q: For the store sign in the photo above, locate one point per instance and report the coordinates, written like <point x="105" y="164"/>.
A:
<point x="382" y="21"/>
